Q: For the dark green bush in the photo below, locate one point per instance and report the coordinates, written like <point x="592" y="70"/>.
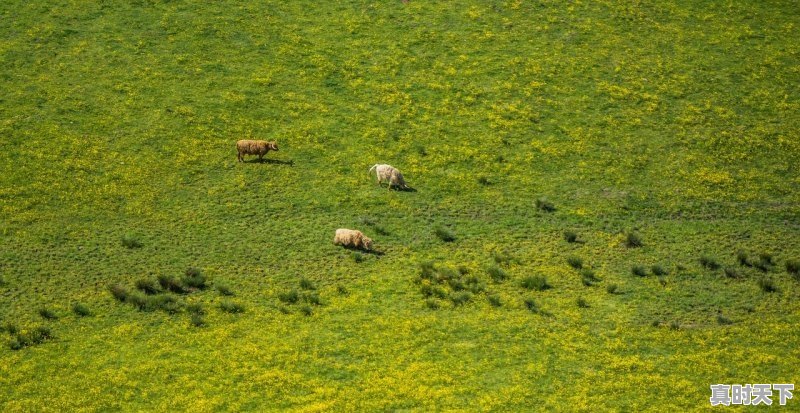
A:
<point x="765" y="262"/>
<point x="767" y="285"/>
<point x="571" y="236"/>
<point x="731" y="272"/>
<point x="535" y="282"/>
<point x="169" y="283"/>
<point x="306" y="310"/>
<point x="197" y="320"/>
<point x="457" y="284"/>
<point x="194" y="278"/>
<point x="589" y="274"/>
<point x="195" y="308"/>
<point x="445" y="234"/>
<point x="312" y="298"/>
<point x="82" y="310"/>
<point x="130" y="241"/>
<point x="793" y="267"/>
<point x="743" y="259"/>
<point x="289" y="297"/>
<point x="497" y="273"/>
<point x="612" y="288"/>
<point x="575" y="262"/>
<point x="639" y="270"/>
<point x="231" y="307"/>
<point x="543" y="204"/>
<point x="460" y="298"/>
<point x="582" y="303"/>
<point x="709" y="263"/>
<point x="658" y="270"/>
<point x="724" y="320"/>
<point x="494" y="300"/>
<point x="224" y="290"/>
<point x="531" y="305"/>
<point x="307" y="284"/>
<point x="48" y="314"/>
<point x="633" y="240"/>
<point x="119" y="292"/>
<point x="147" y="286"/>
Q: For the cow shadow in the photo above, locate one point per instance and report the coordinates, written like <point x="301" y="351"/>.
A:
<point x="289" y="162"/>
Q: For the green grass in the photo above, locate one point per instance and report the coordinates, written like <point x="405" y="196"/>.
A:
<point x="117" y="163"/>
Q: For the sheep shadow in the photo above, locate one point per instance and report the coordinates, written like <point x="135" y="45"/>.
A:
<point x="289" y="162"/>
<point x="363" y="251"/>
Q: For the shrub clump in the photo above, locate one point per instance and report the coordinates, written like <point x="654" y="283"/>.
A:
<point x="358" y="257"/>
<point x="48" y="314"/>
<point x="194" y="278"/>
<point x="119" y="292"/>
<point x="197" y="320"/>
<point x="731" y="272"/>
<point x="639" y="270"/>
<point x="494" y="300"/>
<point x="633" y="240"/>
<point x="589" y="277"/>
<point x="224" y="290"/>
<point x="743" y="259"/>
<point x="543" y="204"/>
<point x="709" y="263"/>
<point x="81" y="310"/>
<point x="575" y="262"/>
<point x="307" y="284"/>
<point x="445" y="234"/>
<point x="536" y="282"/>
<point x="169" y="283"/>
<point x="231" y="307"/>
<point x="147" y="286"/>
<point x="767" y="285"/>
<point x="432" y="303"/>
<point x="571" y="237"/>
<point x="793" y="267"/>
<point x="131" y="242"/>
<point x="612" y="288"/>
<point x="460" y="298"/>
<point x="582" y="303"/>
<point x="306" y="310"/>
<point x="659" y="270"/>
<point x="289" y="297"/>
<point x="765" y="262"/>
<point x="498" y="274"/>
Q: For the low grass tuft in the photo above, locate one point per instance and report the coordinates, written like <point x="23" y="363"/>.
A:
<point x="224" y="290"/>
<point x="444" y="234"/>
<point x="147" y="286"/>
<point x="131" y="241"/>
<point x="582" y="303"/>
<point x="119" y="292"/>
<point x="289" y="297"/>
<point x="48" y="314"/>
<point x="81" y="310"/>
<point x="659" y="270"/>
<point x="571" y="236"/>
<point x="633" y="240"/>
<point x="709" y="263"/>
<point x="307" y="284"/>
<point x="535" y="282"/>
<point x="169" y="283"/>
<point x="231" y="307"/>
<point x="767" y="285"/>
<point x="575" y="262"/>
<point x="494" y="300"/>
<point x="612" y="289"/>
<point x="497" y="274"/>
<point x="639" y="270"/>
<point x="460" y="298"/>
<point x="194" y="278"/>
<point x="543" y="204"/>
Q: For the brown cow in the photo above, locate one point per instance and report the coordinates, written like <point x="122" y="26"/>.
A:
<point x="252" y="147"/>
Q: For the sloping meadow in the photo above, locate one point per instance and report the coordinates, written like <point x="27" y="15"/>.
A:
<point x="603" y="213"/>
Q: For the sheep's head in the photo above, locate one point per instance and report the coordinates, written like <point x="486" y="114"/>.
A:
<point x="367" y="243"/>
<point x="273" y="146"/>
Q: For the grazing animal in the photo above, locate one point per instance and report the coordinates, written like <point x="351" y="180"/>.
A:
<point x="252" y="147"/>
<point x="389" y="174"/>
<point x="352" y="238"/>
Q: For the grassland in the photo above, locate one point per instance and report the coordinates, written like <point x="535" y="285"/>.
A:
<point x="676" y="120"/>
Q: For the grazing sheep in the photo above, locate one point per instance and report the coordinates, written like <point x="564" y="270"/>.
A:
<point x="252" y="147"/>
<point x="352" y="238"/>
<point x="389" y="174"/>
